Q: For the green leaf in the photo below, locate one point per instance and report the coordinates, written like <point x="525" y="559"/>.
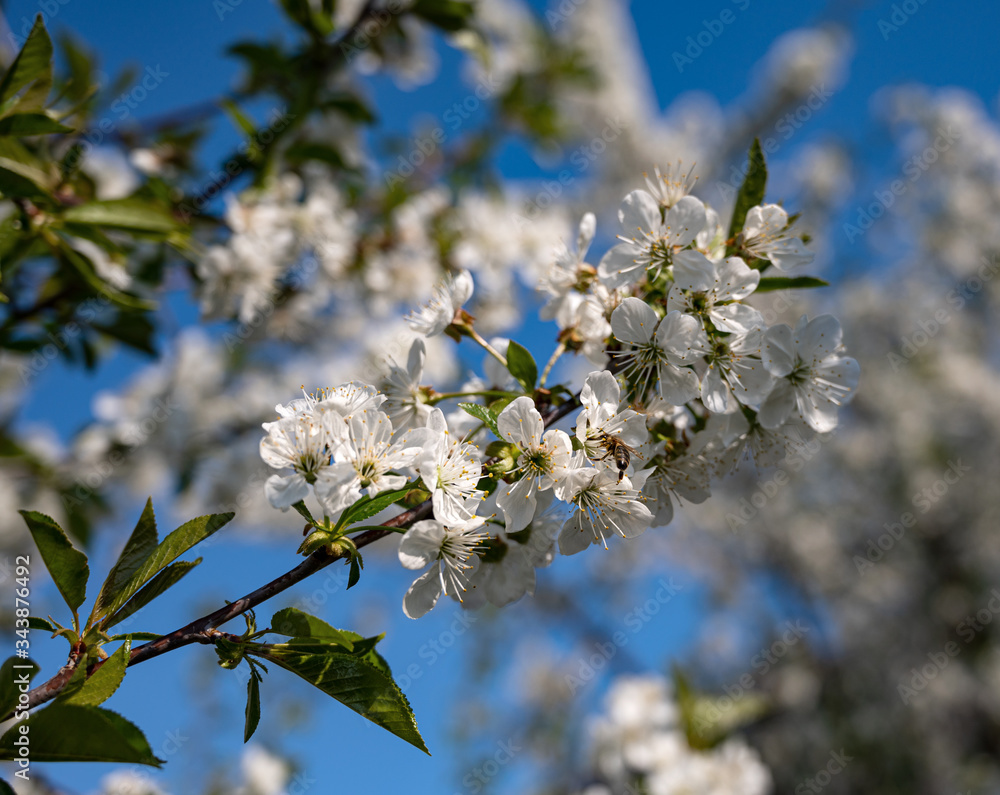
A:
<point x="303" y="151"/>
<point x="253" y="705"/>
<point x="21" y="173"/>
<point x="355" y="574"/>
<point x="354" y="682"/>
<point x="140" y="545"/>
<point x="75" y="733"/>
<point x="751" y="193"/>
<point x="245" y="124"/>
<point x="34" y="622"/>
<point x="521" y="365"/>
<point x="296" y="624"/>
<point x="449" y="15"/>
<point x="105" y="680"/>
<point x="173" y="546"/>
<point x="76" y="681"/>
<point x="709" y="719"/>
<point x="9" y="676"/>
<point x="367" y="507"/>
<point x="770" y="283"/>
<point x="66" y="564"/>
<point x="131" y="213"/>
<point x="131" y="328"/>
<point x="86" y="269"/>
<point x="480" y="412"/>
<point x="21" y="124"/>
<point x="164" y="579"/>
<point x="33" y="63"/>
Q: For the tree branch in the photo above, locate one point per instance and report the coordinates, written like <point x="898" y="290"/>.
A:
<point x="202" y="630"/>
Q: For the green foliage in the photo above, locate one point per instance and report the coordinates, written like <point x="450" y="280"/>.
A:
<point x="342" y="664"/>
<point x="770" y="283"/>
<point x="751" y="194"/>
<point x="8" y="685"/>
<point x="34" y="622"/>
<point x="66" y="564"/>
<point x="137" y="215"/>
<point x="123" y="588"/>
<point x="295" y="623"/>
<point x="140" y="545"/>
<point x="521" y="365"/>
<point x="166" y="578"/>
<point x="65" y="732"/>
<point x="708" y="719"/>
<point x="31" y="124"/>
<point x="31" y="69"/>
<point x="482" y="413"/>
<point x="103" y="683"/>
<point x="354" y="681"/>
<point x="253" y="704"/>
<point x="367" y="507"/>
<point x="449" y="15"/>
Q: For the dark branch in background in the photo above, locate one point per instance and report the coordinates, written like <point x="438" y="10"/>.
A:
<point x="203" y="630"/>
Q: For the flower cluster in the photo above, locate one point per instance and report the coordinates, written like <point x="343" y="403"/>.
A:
<point x="640" y="741"/>
<point x="691" y="381"/>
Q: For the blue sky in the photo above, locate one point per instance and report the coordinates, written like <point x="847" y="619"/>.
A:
<point x="186" y="39"/>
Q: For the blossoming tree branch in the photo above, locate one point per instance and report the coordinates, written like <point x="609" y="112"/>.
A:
<point x="486" y="483"/>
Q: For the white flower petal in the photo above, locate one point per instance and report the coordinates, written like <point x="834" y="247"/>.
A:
<point x="693" y="271"/>
<point x="715" y="393"/>
<point x="639" y="212"/>
<point x="517" y="501"/>
<point x="685" y="220"/>
<point x="633" y="321"/>
<point x="736" y="318"/>
<point x="779" y="350"/>
<point x="423" y="594"/>
<point x="283" y="491"/>
<point x="421" y="544"/>
<point x="777" y="406"/>
<point x="521" y="423"/>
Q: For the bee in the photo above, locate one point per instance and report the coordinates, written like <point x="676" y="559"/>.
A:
<point x="618" y="451"/>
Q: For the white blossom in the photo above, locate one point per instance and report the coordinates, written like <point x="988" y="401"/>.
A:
<point x="568" y="276"/>
<point x="659" y="352"/>
<point x="604" y="506"/>
<point x="731" y="282"/>
<point x="653" y="241"/>
<point x="601" y="417"/>
<point x="405" y="401"/>
<point x="766" y="235"/>
<point x="673" y="186"/>
<point x="813" y="375"/>
<point x="542" y="464"/>
<point x="367" y="459"/>
<point x="450" y="550"/>
<point x="450" y="470"/>
<point x="449" y="296"/>
<point x="735" y="373"/>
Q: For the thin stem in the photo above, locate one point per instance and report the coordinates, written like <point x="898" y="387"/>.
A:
<point x="472" y="434"/>
<point x="203" y="630"/>
<point x="489" y="348"/>
<point x="559" y="351"/>
<point x="482" y="392"/>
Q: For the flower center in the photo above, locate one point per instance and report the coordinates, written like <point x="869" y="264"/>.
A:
<point x="537" y="462"/>
<point x="367" y="472"/>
